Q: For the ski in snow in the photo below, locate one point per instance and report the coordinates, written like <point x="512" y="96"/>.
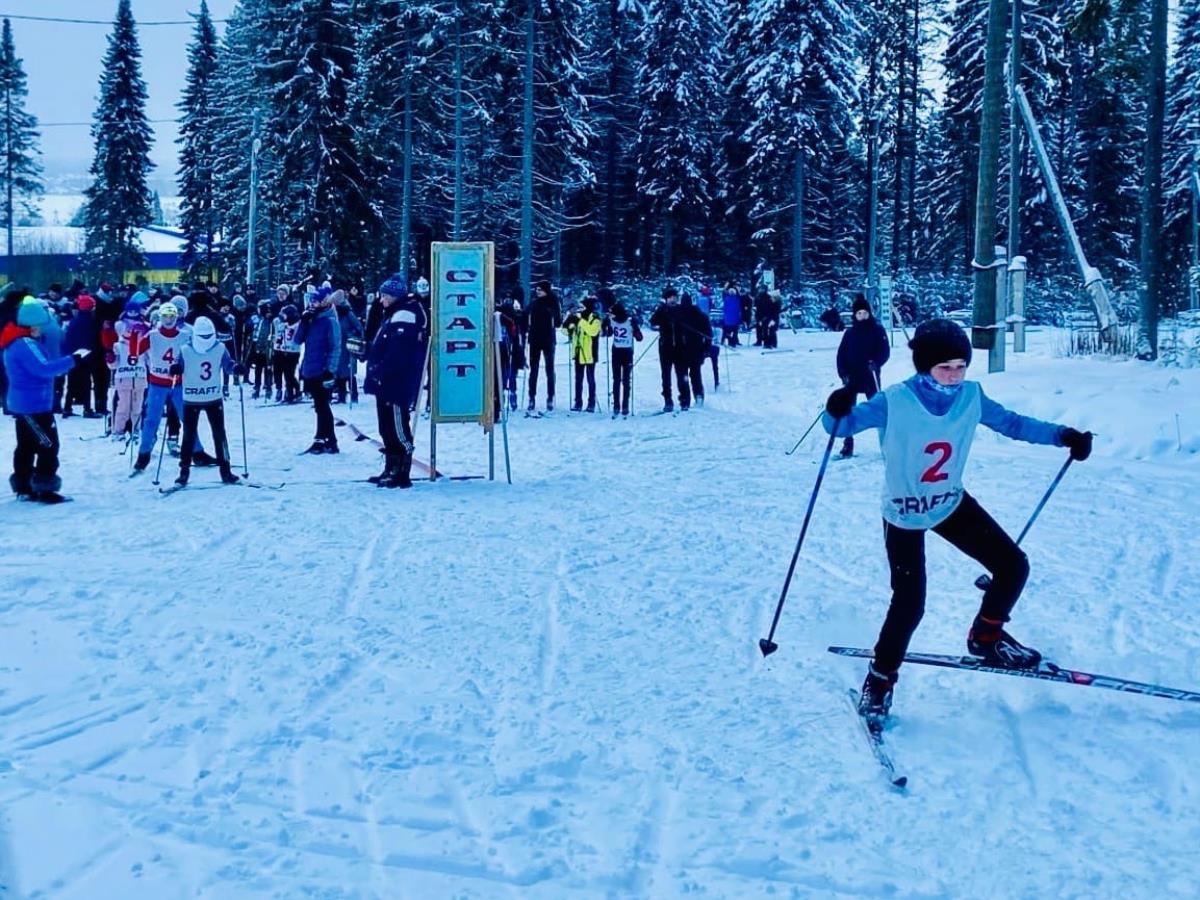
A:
<point x="873" y="731"/>
<point x="175" y="488"/>
<point x="1047" y="671"/>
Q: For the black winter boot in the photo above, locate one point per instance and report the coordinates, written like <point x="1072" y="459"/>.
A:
<point x="20" y="486"/>
<point x="183" y="475"/>
<point x="143" y="460"/>
<point x="391" y="465"/>
<point x="875" y="701"/>
<point x="227" y="475"/>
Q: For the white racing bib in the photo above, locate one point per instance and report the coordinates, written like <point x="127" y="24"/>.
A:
<point x="202" y="373"/>
<point x="622" y="334"/>
<point x="925" y="455"/>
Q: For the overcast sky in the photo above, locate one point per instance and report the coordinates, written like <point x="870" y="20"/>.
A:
<point x="62" y="62"/>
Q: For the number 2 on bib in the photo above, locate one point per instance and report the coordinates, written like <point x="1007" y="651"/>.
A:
<point x="934" y="473"/>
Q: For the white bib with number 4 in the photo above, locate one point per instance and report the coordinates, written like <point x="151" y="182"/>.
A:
<point x="924" y="456"/>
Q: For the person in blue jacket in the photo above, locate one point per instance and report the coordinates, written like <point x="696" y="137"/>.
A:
<point x="926" y="426"/>
<point x="731" y="314"/>
<point x="321" y="336"/>
<point x="395" y="371"/>
<point x="861" y="355"/>
<point x="30" y="399"/>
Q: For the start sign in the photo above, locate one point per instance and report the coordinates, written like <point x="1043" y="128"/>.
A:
<point x="461" y="345"/>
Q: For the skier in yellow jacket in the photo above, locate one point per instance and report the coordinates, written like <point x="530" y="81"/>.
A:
<point x="583" y="328"/>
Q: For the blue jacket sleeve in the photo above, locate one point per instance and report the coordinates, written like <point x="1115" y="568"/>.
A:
<point x="1018" y="427"/>
<point x="872" y="414"/>
<point x="32" y="360"/>
<point x="335" y="344"/>
<point x="227" y="363"/>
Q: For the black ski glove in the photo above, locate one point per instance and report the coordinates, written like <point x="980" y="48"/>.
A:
<point x="840" y="403"/>
<point x="327" y="380"/>
<point x="1078" y="442"/>
<point x="176" y="369"/>
<point x="241" y="370"/>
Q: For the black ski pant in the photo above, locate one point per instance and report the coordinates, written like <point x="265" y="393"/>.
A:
<point x="585" y="370"/>
<point x="321" y="397"/>
<point x="36" y="453"/>
<point x="215" y="412"/>
<point x="174" y="425"/>
<point x="848" y="443"/>
<point x="285" y="374"/>
<point x="79" y="387"/>
<point x="729" y="335"/>
<point x="261" y="363"/>
<point x="714" y="355"/>
<point x="622" y="368"/>
<point x="975" y="533"/>
<point x="544" y="352"/>
<point x="666" y="365"/>
<point x="395" y="427"/>
<point x="101" y="377"/>
<point x="696" y="376"/>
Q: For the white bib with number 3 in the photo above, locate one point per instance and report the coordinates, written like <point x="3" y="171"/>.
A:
<point x="924" y="456"/>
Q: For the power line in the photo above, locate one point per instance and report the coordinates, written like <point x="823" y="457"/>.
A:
<point x="80" y="124"/>
<point x="97" y="21"/>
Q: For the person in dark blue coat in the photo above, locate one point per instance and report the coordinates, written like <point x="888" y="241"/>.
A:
<point x="395" y="371"/>
<point x="863" y="351"/>
<point x="321" y="336"/>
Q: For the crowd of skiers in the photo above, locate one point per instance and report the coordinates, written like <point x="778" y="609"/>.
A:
<point x="137" y="357"/>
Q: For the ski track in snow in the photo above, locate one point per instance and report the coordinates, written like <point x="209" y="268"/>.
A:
<point x="554" y="690"/>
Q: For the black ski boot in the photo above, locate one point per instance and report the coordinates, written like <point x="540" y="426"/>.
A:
<point x="21" y="487"/>
<point x="532" y="406"/>
<point x="996" y="647"/>
<point x="203" y="459"/>
<point x="847" y="448"/>
<point x="875" y="701"/>
<point x="227" y="475"/>
<point x="143" y="460"/>
<point x="391" y="465"/>
<point x="182" y="480"/>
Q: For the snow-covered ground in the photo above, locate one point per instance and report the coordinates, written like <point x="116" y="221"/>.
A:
<point x="554" y="690"/>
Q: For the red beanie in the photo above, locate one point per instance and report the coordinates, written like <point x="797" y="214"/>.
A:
<point x="86" y="302"/>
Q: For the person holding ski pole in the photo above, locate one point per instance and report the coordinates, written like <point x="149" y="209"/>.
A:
<point x="625" y="329"/>
<point x="926" y="426"/>
<point x="202" y="363"/>
<point x="861" y="355"/>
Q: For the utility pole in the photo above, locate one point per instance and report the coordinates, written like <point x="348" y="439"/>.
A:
<point x="8" y="172"/>
<point x="1014" y="136"/>
<point x="252" y="234"/>
<point x="873" y="204"/>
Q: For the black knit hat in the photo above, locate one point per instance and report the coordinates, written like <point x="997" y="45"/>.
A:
<point x="937" y="341"/>
<point x="860" y="302"/>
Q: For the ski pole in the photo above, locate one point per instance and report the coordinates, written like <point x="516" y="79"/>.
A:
<point x="806" y="433"/>
<point x="644" y="352"/>
<point x="767" y="645"/>
<point x="983" y="582"/>
<point x="242" y="404"/>
<point x="162" y="447"/>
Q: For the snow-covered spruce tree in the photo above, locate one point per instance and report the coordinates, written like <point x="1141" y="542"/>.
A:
<point x="118" y="200"/>
<point x="401" y="45"/>
<point x="1183" y="135"/>
<point x="21" y="170"/>
<point x="239" y="95"/>
<point x="319" y="191"/>
<point x="197" y="136"/>
<point x="1109" y="41"/>
<point x="611" y="85"/>
<point x="733" y="182"/>
<point x="679" y="90"/>
<point x="802" y="88"/>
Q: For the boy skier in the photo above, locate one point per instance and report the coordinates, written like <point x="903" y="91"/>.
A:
<point x="129" y="369"/>
<point x="861" y="355"/>
<point x="583" y="329"/>
<point x="625" y="331"/>
<point x="202" y="362"/>
<point x="161" y="352"/>
<point x="926" y="427"/>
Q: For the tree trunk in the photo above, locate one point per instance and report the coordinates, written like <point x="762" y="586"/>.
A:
<point x="527" y="143"/>
<point x="798" y="220"/>
<point x="914" y="100"/>
<point x="608" y="246"/>
<point x="898" y="148"/>
<point x="456" y="233"/>
<point x="1014" y="137"/>
<point x="983" y="336"/>
<point x="668" y="241"/>
<point x="8" y="175"/>
<point x="406" y="195"/>
<point x="1152" y="212"/>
